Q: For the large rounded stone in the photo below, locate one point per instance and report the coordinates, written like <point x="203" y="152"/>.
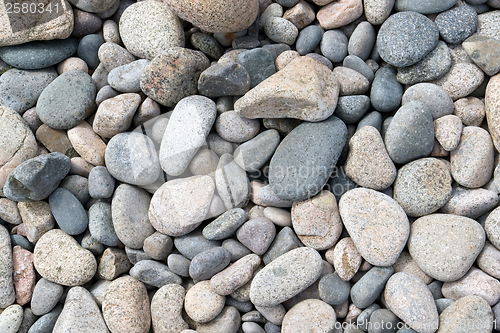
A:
<point x="468" y="314"/>
<point x="310" y="315"/>
<point x="7" y="293"/>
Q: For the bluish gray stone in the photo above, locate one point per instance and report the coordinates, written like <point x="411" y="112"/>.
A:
<point x="88" y="49"/>
<point x="78" y="185"/>
<point x="308" y="39"/>
<point x="356" y="63"/>
<point x="406" y="330"/>
<point x="457" y="24"/>
<point x="20" y="89"/>
<point x="254" y="153"/>
<point x="433" y="96"/>
<point x="46" y="323"/>
<point x="127" y="78"/>
<point x="101" y="224"/>
<point x="243" y="307"/>
<point x="323" y="60"/>
<point x="443" y="303"/>
<point x="383" y="321"/>
<point x="362" y="40"/>
<point x="271" y="328"/>
<point x="284" y="241"/>
<point x="350" y="109"/>
<point x="46" y="294"/>
<point x="193" y="243"/>
<point x="135" y="255"/>
<point x="424" y="6"/>
<point x="276" y="49"/>
<point x="68" y="212"/>
<point x="281" y="30"/>
<point x="287" y="3"/>
<point x="373" y="119"/>
<point x="208" y="263"/>
<point x="245" y="42"/>
<point x="178" y="264"/>
<point x="333" y="290"/>
<point x="304" y="160"/>
<point x="225" y="226"/>
<point x="154" y="273"/>
<point x="237" y="249"/>
<point x="410" y="134"/>
<point x="36" y="178"/>
<point x="39" y="54"/>
<point x="259" y="64"/>
<point x="364" y="317"/>
<point x="21" y="241"/>
<point x="67" y="100"/>
<point x="370" y="286"/>
<point x="334" y="45"/>
<point x="339" y="182"/>
<point x="101" y="184"/>
<point x="224" y="79"/>
<point x="386" y="91"/>
<point x="435" y="288"/>
<point x="432" y="67"/>
<point x="405" y="38"/>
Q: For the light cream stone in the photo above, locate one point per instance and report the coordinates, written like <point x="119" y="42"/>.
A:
<point x="87" y="143"/>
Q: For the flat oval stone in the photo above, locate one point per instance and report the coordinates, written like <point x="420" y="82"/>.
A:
<point x="475" y="282"/>
<point x="154" y="273"/>
<point x="39" y="54"/>
<point x="100" y="183"/>
<point x="202" y="304"/>
<point x="166" y="309"/>
<point x="339" y="13"/>
<point x="11" y="318"/>
<point x="433" y="96"/>
<point x="297" y="174"/>
<point x="410" y="134"/>
<point x="456" y="24"/>
<point x="473" y="167"/>
<point x="234" y="128"/>
<point x="60" y="259"/>
<point x="424" y="7"/>
<point x="193" y="243"/>
<point x="334" y="45"/>
<point x="311" y="315"/>
<point x="408" y="297"/>
<point x="7" y="292"/>
<point x="148" y="28"/>
<point x="68" y="212"/>
<point x="308" y="39"/>
<point x="46" y="294"/>
<point x="225" y="226"/>
<point x="437" y="239"/>
<point x="370" y="286"/>
<point x="101" y="224"/>
<point x="131" y="157"/>
<point x="208" y="263"/>
<point x="333" y="290"/>
<point x="471" y="203"/>
<point x="67" y="100"/>
<point x="376" y="223"/>
<point x="459" y="316"/>
<point x="423" y="186"/>
<point x="125" y="307"/>
<point x="386" y="91"/>
<point x="129" y="211"/>
<point x="461" y="80"/>
<point x="406" y="38"/>
<point x="254" y="153"/>
<point x="362" y="40"/>
<point x="285" y="277"/>
<point x="178" y="264"/>
<point x="281" y="30"/>
<point x="235" y="276"/>
<point x="36" y="178"/>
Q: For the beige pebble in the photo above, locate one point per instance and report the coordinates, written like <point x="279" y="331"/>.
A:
<point x="9" y="211"/>
<point x="301" y="15"/>
<point x="489" y="260"/>
<point x="202" y="304"/>
<point x="256" y="211"/>
<point x="351" y="82"/>
<point x="235" y="276"/>
<point x="110" y="32"/>
<point x="148" y="110"/>
<point x="158" y="246"/>
<point x="87" y="143"/>
<point x="345" y="258"/>
<point x="279" y="216"/>
<point x="406" y="264"/>
<point x="72" y="64"/>
<point x="114" y="262"/>
<point x="448" y="130"/>
<point x="32" y="119"/>
<point x="492" y="108"/>
<point x="339" y="13"/>
<point x="285" y="58"/>
<point x="475" y="282"/>
<point x="311" y="315"/>
<point x="438" y="150"/>
<point x="55" y="140"/>
<point x="470" y="110"/>
<point x="37" y="219"/>
<point x="461" y="80"/>
<point x="204" y="162"/>
<point x="166" y="309"/>
<point x="114" y="115"/>
<point x="80" y="167"/>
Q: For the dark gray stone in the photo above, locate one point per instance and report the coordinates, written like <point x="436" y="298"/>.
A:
<point x="68" y="212"/>
<point x="356" y="63"/>
<point x="383" y="321"/>
<point x="424" y="7"/>
<point x="406" y="330"/>
<point x="257" y="234"/>
<point x="282" y="125"/>
<point x="362" y="40"/>
<point x="67" y="100"/>
<point x="193" y="243"/>
<point x="224" y="79"/>
<point x="259" y="64"/>
<point x="254" y="153"/>
<point x="373" y="119"/>
<point x="284" y="241"/>
<point x="207" y="44"/>
<point x="405" y="38"/>
<point x="370" y="286"/>
<point x="271" y="328"/>
<point x="225" y="225"/>
<point x="101" y="224"/>
<point x="276" y="49"/>
<point x="457" y="24"/>
<point x="39" y="54"/>
<point x="20" y="89"/>
<point x="339" y="183"/>
<point x="245" y="42"/>
<point x="287" y="3"/>
<point x="45" y="323"/>
<point x="334" y="45"/>
<point x="208" y="263"/>
<point x="304" y="160"/>
<point x="435" y="288"/>
<point x="243" y="307"/>
<point x="308" y="39"/>
<point x="237" y="249"/>
<point x="410" y="134"/>
<point x="178" y="264"/>
<point x="21" y="241"/>
<point x="350" y="109"/>
<point x="78" y="185"/>
<point x="386" y="91"/>
<point x="154" y="273"/>
<point x="36" y="178"/>
<point x="333" y="290"/>
<point x="88" y="49"/>
<point x="100" y="183"/>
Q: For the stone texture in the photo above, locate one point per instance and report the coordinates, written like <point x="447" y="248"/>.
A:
<point x="461" y="80"/>
<point x="467" y="311"/>
<point x="492" y="107"/>
<point x="202" y="304"/>
<point x="339" y="13"/>
<point x="345" y="258"/>
<point x="7" y="292"/>
<point x="235" y="276"/>
<point x="166" y="309"/>
<point x="310" y="315"/>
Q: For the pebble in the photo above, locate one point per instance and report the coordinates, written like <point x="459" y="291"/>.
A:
<point x="383" y="318"/>
<point x="101" y="224"/>
<point x="114" y="115"/>
<point x="301" y="15"/>
<point x="482" y="50"/>
<point x="193" y="243"/>
<point x="45" y="296"/>
<point x="250" y="327"/>
<point x="126" y="78"/>
<point x="300" y="268"/>
<point x="80" y="313"/>
<point x="339" y="13"/>
<point x="11" y="318"/>
<point x="113" y="55"/>
<point x="299" y="171"/>
<point x="373" y="119"/>
<point x="45" y="324"/>
<point x="100" y="76"/>
<point x="272" y="10"/>
<point x="367" y="289"/>
<point x="129" y="211"/>
<point x="311" y="86"/>
<point x="475" y="282"/>
<point x="474" y="309"/>
<point x="362" y="40"/>
<point x="7" y="292"/>
<point x="202" y="304"/>
<point x="351" y="82"/>
<point x="166" y="309"/>
<point x="110" y="32"/>
<point x="316" y="221"/>
<point x="178" y="207"/>
<point x="225" y="226"/>
<point x="308" y="39"/>
<point x="408" y="298"/>
<point x="178" y="264"/>
<point x="213" y="16"/>
<point x="154" y="273"/>
<point x="86" y="143"/>
<point x="126" y="306"/>
<point x="471" y="203"/>
<point x="208" y="263"/>
<point x="37" y="219"/>
<point x="9" y="211"/>
<point x="423" y="186"/>
<point x="186" y="132"/>
<point x="68" y="212"/>
<point x="164" y="78"/>
<point x="232" y="183"/>
<point x="379" y="238"/>
<point x="377" y="11"/>
<point x="228" y="321"/>
<point x="207" y="44"/>
<point x="55" y="140"/>
<point x="435" y="98"/>
<point x="113" y="263"/>
<point x="333" y="290"/>
<point x="424" y="7"/>
<point x="356" y="63"/>
<point x="334" y="45"/>
<point x="448" y="130"/>
<point x="473" y="168"/>
<point x="38" y="54"/>
<point x="235" y="276"/>
<point x="100" y="183"/>
<point x="492" y="108"/>
<point x="148" y="28"/>
<point x="281" y="30"/>
<point x="36" y="178"/>
<point x="85" y="23"/>
<point x="345" y="258"/>
<point x="311" y="315"/>
<point x="368" y="163"/>
<point x="224" y="79"/>
<point x="259" y="64"/>
<point x="90" y="6"/>
<point x="254" y="153"/>
<point x="488" y="260"/>
<point x="461" y="80"/>
<point x="284" y="241"/>
<point x="435" y="234"/>
<point x="406" y="264"/>
<point x="234" y="128"/>
<point x="406" y="38"/>
<point x="457" y="24"/>
<point x="88" y="50"/>
<point x="72" y="63"/>
<point x="257" y="234"/>
<point x="404" y="145"/>
<point x="60" y="259"/>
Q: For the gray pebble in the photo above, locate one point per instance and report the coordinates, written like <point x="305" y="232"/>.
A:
<point x="443" y="303"/>
<point x="134" y="255"/>
<point x="224" y="79"/>
<point x="386" y="92"/>
<point x="207" y="44"/>
<point x="433" y="96"/>
<point x="101" y="224"/>
<point x="126" y="78"/>
<point x="236" y="249"/>
<point x="68" y="212"/>
<point x="154" y="273"/>
<point x="308" y="39"/>
<point x="178" y="264"/>
<point x="334" y="45"/>
<point x="370" y="286"/>
<point x="254" y="153"/>
<point x="78" y="185"/>
<point x="225" y="226"/>
<point x="286" y="240"/>
<point x="18" y="240"/>
<point x="232" y="183"/>
<point x="363" y="320"/>
<point x="281" y="30"/>
<point x="193" y="243"/>
<point x="362" y="40"/>
<point x="424" y="7"/>
<point x="383" y="321"/>
<point x="457" y="24"/>
<point x="350" y="109"/>
<point x="356" y="63"/>
<point x="333" y="290"/>
<point x="208" y="263"/>
<point x="257" y="234"/>
<point x="45" y="323"/>
<point x="339" y="183"/>
<point x="470" y="202"/>
<point x="101" y="184"/>
<point x="276" y="49"/>
<point x="88" y="48"/>
<point x="373" y="119"/>
<point x="259" y="63"/>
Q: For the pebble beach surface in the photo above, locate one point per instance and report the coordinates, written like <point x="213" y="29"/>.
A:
<point x="250" y="166"/>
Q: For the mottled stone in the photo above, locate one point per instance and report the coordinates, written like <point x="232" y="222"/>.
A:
<point x="475" y="282"/>
<point x="351" y="82"/>
<point x="377" y="11"/>
<point x="224" y="79"/>
<point x="467" y="311"/>
<point x="7" y="292"/>
<point x="345" y="258"/>
<point x="310" y="315"/>
<point x="37" y="219"/>
<point x="235" y="276"/>
<point x="339" y="13"/>
<point x="257" y="234"/>
<point x="11" y="318"/>
<point x="46" y="294"/>
<point x="424" y="7"/>
<point x="471" y="203"/>
<point x="367" y="289"/>
<point x="166" y="309"/>
<point x="232" y="183"/>
<point x="461" y="80"/>
<point x="202" y="304"/>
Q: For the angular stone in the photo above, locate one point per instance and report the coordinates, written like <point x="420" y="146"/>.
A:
<point x="37" y="219"/>
<point x="114" y="115"/>
<point x="345" y="258"/>
<point x="113" y="263"/>
<point x="224" y="79"/>
<point x="87" y="143"/>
